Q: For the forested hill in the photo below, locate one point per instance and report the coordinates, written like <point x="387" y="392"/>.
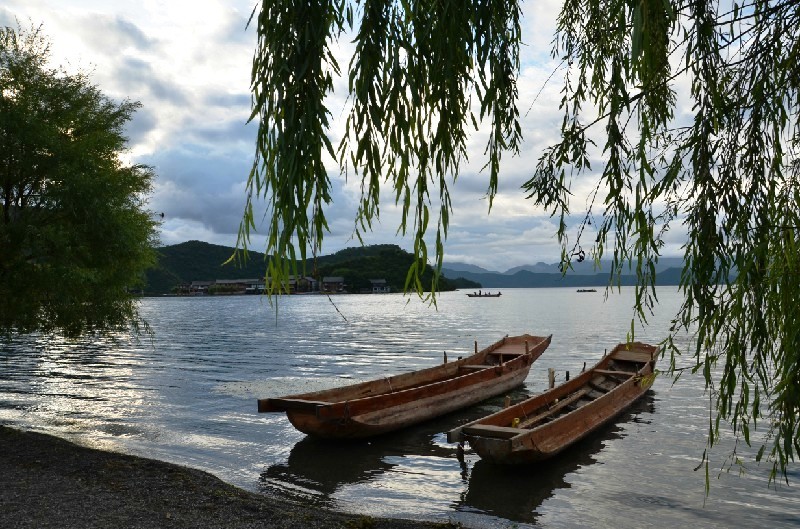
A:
<point x="201" y="261"/>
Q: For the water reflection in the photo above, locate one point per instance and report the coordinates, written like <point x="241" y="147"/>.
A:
<point x="74" y="385"/>
<point x="316" y="470"/>
<point x="324" y="473"/>
<point x="516" y="492"/>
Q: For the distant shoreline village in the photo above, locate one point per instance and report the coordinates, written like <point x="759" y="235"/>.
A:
<point x="295" y="285"/>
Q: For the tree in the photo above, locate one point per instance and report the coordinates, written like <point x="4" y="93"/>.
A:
<point x="74" y="232"/>
<point x="729" y="172"/>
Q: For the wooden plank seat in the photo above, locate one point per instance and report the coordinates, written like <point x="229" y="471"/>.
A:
<point x="554" y="409"/>
<point x="621" y="375"/>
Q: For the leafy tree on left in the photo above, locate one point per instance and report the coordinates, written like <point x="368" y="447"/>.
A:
<point x="75" y="237"/>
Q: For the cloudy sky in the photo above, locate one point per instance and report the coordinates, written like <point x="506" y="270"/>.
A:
<point x="188" y="63"/>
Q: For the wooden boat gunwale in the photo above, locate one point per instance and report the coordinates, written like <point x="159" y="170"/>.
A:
<point x="496" y="438"/>
<point x="396" y="393"/>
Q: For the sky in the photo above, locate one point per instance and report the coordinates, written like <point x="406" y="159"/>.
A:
<point x="189" y="63"/>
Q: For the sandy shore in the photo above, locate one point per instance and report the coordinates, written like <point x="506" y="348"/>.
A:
<point x="49" y="482"/>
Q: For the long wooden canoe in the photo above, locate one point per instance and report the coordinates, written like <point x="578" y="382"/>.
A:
<point x="544" y="425"/>
<point x="379" y="406"/>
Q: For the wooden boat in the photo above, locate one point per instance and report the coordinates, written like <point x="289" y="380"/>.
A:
<point x="484" y="295"/>
<point x="542" y="426"/>
<point x="380" y="406"/>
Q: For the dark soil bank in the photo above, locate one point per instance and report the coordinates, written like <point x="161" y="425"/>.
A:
<point x="49" y="482"/>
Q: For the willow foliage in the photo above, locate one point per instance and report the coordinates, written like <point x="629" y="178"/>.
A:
<point x="726" y="170"/>
<point x="411" y="82"/>
<point x="697" y="107"/>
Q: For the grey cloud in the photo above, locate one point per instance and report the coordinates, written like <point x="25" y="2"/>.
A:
<point x="237" y="100"/>
<point x="142" y="123"/>
<point x="137" y="78"/>
<point x="110" y="34"/>
<point x="231" y="132"/>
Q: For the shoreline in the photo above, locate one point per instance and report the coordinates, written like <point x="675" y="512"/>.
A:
<point x="46" y="481"/>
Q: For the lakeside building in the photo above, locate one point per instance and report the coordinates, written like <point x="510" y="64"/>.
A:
<point x="245" y="286"/>
<point x="380" y="286"/>
<point x="331" y="284"/>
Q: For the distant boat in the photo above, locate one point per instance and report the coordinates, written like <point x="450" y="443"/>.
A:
<point x="484" y="295"/>
<point x="391" y="403"/>
<point x="542" y="426"/>
<point x="586" y="290"/>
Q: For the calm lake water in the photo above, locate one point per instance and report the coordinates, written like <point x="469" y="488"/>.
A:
<point x="189" y="397"/>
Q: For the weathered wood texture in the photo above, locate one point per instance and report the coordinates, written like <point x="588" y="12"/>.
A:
<point x="382" y="405"/>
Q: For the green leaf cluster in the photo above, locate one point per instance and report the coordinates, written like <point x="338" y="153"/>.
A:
<point x="74" y="231"/>
<point x="411" y="82"/>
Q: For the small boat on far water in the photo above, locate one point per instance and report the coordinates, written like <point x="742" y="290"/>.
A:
<point x="391" y="403"/>
<point x="542" y="426"/>
<point x="480" y="294"/>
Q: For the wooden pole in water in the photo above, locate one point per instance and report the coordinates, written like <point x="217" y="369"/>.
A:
<point x="507" y="402"/>
<point x="567" y="375"/>
<point x="476" y="346"/>
<point x="551" y="377"/>
<point x="445" y="357"/>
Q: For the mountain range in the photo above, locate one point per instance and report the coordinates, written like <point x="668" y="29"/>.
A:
<point x="668" y="272"/>
<point x="196" y="260"/>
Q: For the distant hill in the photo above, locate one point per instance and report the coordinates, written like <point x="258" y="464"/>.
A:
<point x="526" y="279"/>
<point x="383" y="261"/>
<point x="584" y="268"/>
<point x="538" y="268"/>
<point x="464" y="267"/>
<point x="201" y="261"/>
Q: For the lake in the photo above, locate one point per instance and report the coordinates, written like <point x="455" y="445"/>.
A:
<point x="188" y="396"/>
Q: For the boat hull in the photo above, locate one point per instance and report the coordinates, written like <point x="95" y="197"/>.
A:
<point x="406" y="414"/>
<point x="384" y="405"/>
<point x="564" y="415"/>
